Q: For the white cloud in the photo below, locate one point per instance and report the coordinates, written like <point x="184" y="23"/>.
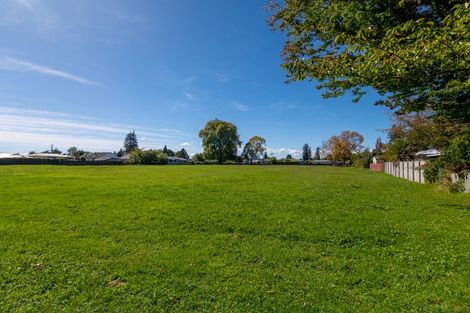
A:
<point x="241" y="107"/>
<point x="13" y="64"/>
<point x="186" y="144"/>
<point x="282" y="152"/>
<point x="36" y="129"/>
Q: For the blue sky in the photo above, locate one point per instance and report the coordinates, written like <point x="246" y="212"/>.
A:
<point x="86" y="72"/>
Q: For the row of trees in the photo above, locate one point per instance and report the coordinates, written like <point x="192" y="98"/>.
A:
<point x="408" y="134"/>
<point x="153" y="156"/>
<point x="220" y="141"/>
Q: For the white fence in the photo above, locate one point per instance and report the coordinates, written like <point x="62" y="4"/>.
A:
<point x="413" y="171"/>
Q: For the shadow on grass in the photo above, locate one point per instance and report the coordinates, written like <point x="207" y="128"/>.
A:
<point x="457" y="206"/>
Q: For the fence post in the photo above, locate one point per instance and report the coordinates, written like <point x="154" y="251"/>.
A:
<point x="421" y="178"/>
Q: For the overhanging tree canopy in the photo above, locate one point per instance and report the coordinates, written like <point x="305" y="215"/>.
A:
<point x="415" y="53"/>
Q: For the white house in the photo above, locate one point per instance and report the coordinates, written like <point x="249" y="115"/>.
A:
<point x="377" y="159"/>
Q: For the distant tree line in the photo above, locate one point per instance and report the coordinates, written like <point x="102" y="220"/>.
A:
<point x="408" y="134"/>
<point x="221" y="141"/>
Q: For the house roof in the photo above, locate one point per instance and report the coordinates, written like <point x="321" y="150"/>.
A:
<point x="100" y="156"/>
<point x="49" y="156"/>
<point x="11" y="156"/>
<point x="428" y="153"/>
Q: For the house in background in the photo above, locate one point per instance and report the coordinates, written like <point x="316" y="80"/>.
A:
<point x="176" y="160"/>
<point x="101" y="156"/>
<point x="377" y="164"/>
<point x="11" y="156"/>
<point x="125" y="158"/>
<point x="49" y="156"/>
<point x="428" y="154"/>
<point x="377" y="159"/>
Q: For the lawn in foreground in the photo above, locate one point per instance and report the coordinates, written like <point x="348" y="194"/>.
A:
<point x="229" y="238"/>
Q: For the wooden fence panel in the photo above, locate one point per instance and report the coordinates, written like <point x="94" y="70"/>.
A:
<point x="411" y="170"/>
<point x="414" y="171"/>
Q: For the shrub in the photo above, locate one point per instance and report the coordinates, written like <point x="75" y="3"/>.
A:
<point x="198" y="158"/>
<point x="286" y="162"/>
<point x="363" y="159"/>
<point x="211" y="162"/>
<point x="230" y="162"/>
<point x="457" y="154"/>
<point x="148" y="157"/>
<point x="455" y="159"/>
<point x="458" y="186"/>
<point x="434" y="171"/>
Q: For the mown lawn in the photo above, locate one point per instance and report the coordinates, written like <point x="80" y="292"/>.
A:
<point x="229" y="239"/>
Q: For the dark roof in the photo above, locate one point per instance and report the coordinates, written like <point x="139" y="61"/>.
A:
<point x="100" y="156"/>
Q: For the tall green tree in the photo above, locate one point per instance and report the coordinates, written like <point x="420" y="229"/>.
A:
<point x="75" y="152"/>
<point x="317" y="153"/>
<point x="168" y="152"/>
<point x="72" y="151"/>
<point x="198" y="157"/>
<point x="306" y="152"/>
<point x="411" y="133"/>
<point x="379" y="147"/>
<point x="182" y="154"/>
<point x="131" y="142"/>
<point x="254" y="148"/>
<point x="414" y="53"/>
<point x="220" y="140"/>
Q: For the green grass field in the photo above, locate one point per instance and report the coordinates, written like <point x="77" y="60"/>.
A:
<point x="229" y="239"/>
